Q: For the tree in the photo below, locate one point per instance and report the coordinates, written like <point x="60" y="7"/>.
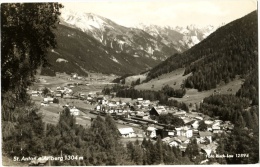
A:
<point x="192" y="150"/>
<point x="221" y="149"/>
<point x="249" y="120"/>
<point x="170" y="119"/>
<point x="45" y="91"/>
<point x="123" y="81"/>
<point x="137" y="82"/>
<point x="240" y="122"/>
<point x="55" y="100"/>
<point x="27" y="34"/>
<point x="202" y="126"/>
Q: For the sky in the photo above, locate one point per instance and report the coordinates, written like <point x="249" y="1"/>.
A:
<point x="166" y="12"/>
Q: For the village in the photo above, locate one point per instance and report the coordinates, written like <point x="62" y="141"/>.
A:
<point x="135" y="117"/>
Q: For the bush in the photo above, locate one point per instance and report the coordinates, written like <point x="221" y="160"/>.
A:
<point x="55" y="100"/>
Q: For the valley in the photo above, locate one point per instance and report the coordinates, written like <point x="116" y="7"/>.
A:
<point x="81" y="89"/>
<point x="89" y="42"/>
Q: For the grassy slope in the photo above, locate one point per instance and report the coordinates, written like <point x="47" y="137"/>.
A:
<point x="192" y="95"/>
<point x="166" y="79"/>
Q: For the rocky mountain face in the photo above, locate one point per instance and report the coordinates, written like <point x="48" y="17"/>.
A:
<point x="132" y="41"/>
<point x="115" y="48"/>
<point x="180" y="38"/>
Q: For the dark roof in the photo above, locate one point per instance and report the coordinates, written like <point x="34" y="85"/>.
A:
<point x="204" y="134"/>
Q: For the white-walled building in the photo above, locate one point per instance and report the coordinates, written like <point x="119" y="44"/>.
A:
<point x="184" y="131"/>
<point x="74" y="111"/>
<point x="127" y="132"/>
<point x="151" y="132"/>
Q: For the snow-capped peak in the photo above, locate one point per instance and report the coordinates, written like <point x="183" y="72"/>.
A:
<point x="84" y="21"/>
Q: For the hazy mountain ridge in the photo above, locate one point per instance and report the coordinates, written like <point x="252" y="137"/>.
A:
<point x="181" y="38"/>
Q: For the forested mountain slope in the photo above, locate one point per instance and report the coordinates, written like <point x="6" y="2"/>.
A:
<point x="229" y="51"/>
<point x="81" y="52"/>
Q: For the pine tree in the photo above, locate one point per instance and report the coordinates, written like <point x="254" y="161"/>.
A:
<point x="249" y="120"/>
<point x="192" y="150"/>
<point x="202" y="126"/>
<point x="240" y="122"/>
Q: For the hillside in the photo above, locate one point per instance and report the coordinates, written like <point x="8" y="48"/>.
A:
<point x="132" y="41"/>
<point x="91" y="43"/>
<point x="229" y="51"/>
<point x="79" y="52"/>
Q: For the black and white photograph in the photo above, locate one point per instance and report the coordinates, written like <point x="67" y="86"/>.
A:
<point x="129" y="82"/>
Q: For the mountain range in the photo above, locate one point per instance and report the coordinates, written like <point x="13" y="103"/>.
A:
<point x="89" y="42"/>
<point x="229" y="52"/>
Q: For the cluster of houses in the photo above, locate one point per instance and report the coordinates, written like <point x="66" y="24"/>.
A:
<point x="144" y="110"/>
<point x="123" y="105"/>
<point x="179" y="136"/>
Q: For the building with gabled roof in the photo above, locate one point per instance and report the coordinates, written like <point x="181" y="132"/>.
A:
<point x="158" y="111"/>
<point x="127" y="132"/>
<point x="74" y="111"/>
<point x="205" y="134"/>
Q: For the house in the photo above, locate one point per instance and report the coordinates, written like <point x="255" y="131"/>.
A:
<point x="186" y="120"/>
<point x="199" y="118"/>
<point x="74" y="111"/>
<point x="166" y="140"/>
<point x="58" y="95"/>
<point x="68" y="90"/>
<point x="127" y="132"/>
<point x="140" y="100"/>
<point x="184" y="131"/>
<point x="218" y="131"/>
<point x="158" y="111"/>
<point x="183" y="147"/>
<point x="209" y="122"/>
<point x="171" y="133"/>
<point x="203" y="135"/>
<point x="44" y="103"/>
<point x="67" y="96"/>
<point x="180" y="113"/>
<point x="74" y="75"/>
<point x="100" y="98"/>
<point x="209" y="148"/>
<point x="35" y="93"/>
<point x="146" y="103"/>
<point x="195" y="124"/>
<point x="98" y="107"/>
<point x="195" y="133"/>
<point x="182" y="139"/>
<point x="48" y="99"/>
<point x="174" y="143"/>
<point x="151" y="132"/>
<point x="216" y="128"/>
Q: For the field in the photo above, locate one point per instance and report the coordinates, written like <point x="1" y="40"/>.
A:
<point x="173" y="79"/>
<point x="96" y="81"/>
<point x="130" y="79"/>
<point x="192" y="96"/>
<point x="51" y="112"/>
